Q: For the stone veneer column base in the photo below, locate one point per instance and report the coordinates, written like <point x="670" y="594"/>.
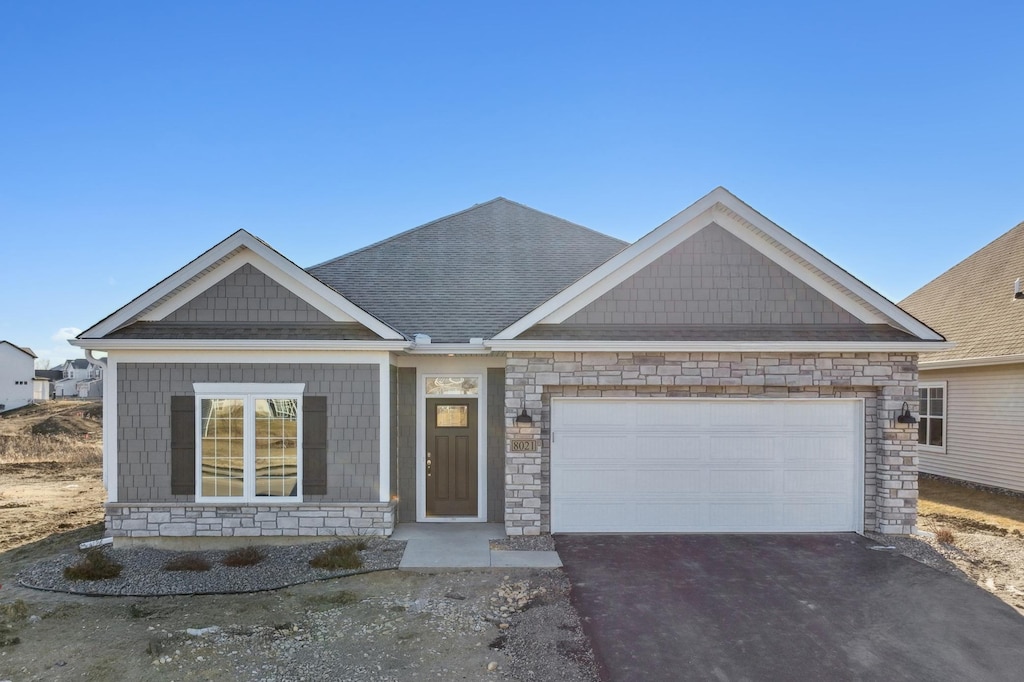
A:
<point x="155" y="523"/>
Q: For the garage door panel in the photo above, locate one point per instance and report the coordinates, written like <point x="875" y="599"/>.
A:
<point x="813" y="481"/>
<point x="669" y="516"/>
<point x="752" y="447"/>
<point x="675" y="481"/>
<point x="682" y="465"/>
<point x="810" y="516"/>
<point x="730" y="481"/>
<point x="817" y="448"/>
<point x="669" y="446"/>
<point x="588" y="447"/>
<point x="659" y="414"/>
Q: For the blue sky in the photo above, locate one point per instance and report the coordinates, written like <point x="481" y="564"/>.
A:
<point x="133" y="136"/>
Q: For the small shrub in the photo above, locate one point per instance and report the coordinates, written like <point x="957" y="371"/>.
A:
<point x="945" y="536"/>
<point x="243" y="556"/>
<point x="343" y="556"/>
<point x="95" y="566"/>
<point x="16" y="610"/>
<point x="188" y="562"/>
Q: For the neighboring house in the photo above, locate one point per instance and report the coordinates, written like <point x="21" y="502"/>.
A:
<point x="80" y="378"/>
<point x="501" y="364"/>
<point x="45" y="380"/>
<point x="16" y="374"/>
<point x="972" y="395"/>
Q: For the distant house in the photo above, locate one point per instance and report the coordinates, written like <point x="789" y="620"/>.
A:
<point x="43" y="388"/>
<point x="79" y="379"/>
<point x="971" y="397"/>
<point x="15" y="375"/>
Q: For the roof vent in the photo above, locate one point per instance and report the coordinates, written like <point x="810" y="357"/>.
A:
<point x="421" y="339"/>
<point x="1017" y="293"/>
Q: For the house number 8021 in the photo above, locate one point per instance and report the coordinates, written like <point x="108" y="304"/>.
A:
<point x="524" y="446"/>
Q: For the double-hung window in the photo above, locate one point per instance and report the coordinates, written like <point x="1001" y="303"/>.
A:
<point x="249" y="442"/>
<point x="931" y="425"/>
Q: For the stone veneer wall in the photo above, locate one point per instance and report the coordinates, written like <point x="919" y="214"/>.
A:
<point x="139" y="521"/>
<point x="884" y="380"/>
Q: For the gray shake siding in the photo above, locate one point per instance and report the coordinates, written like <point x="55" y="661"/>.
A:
<point x="247" y="295"/>
<point x="712" y="278"/>
<point x="883" y="380"/>
<point x="144" y="393"/>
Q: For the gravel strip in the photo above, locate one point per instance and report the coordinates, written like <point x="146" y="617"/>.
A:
<point x="143" y="573"/>
<point x="922" y="549"/>
<point x="525" y="543"/>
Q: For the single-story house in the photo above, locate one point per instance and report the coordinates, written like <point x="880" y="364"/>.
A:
<point x="972" y="395"/>
<point x="16" y="372"/>
<point x="504" y="365"/>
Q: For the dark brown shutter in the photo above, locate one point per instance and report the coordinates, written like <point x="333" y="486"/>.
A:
<point x="314" y="445"/>
<point x="183" y="445"/>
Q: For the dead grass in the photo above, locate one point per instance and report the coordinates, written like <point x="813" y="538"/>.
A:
<point x="22" y="448"/>
<point x="945" y="536"/>
<point x="341" y="556"/>
<point x="95" y="566"/>
<point x="940" y="501"/>
<point x="188" y="562"/>
<point x="244" y="556"/>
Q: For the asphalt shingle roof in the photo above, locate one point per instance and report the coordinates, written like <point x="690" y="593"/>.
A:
<point x="972" y="303"/>
<point x="470" y="274"/>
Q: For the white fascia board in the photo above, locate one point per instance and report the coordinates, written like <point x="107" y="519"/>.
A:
<point x="448" y="349"/>
<point x="300" y="282"/>
<point x="236" y="344"/>
<point x="924" y="365"/>
<point x="724" y="346"/>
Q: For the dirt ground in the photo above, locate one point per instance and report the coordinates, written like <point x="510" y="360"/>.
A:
<point x="987" y="544"/>
<point x="389" y="625"/>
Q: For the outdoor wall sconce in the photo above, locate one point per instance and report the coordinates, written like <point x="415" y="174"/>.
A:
<point x="906" y="417"/>
<point x="524" y="419"/>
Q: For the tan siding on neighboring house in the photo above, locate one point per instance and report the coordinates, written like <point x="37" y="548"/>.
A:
<point x="985" y="426"/>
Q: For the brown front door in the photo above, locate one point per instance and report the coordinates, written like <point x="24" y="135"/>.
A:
<point x="451" y="457"/>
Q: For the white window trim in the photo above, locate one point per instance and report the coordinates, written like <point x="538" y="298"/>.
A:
<point x="937" y="449"/>
<point x="249" y="393"/>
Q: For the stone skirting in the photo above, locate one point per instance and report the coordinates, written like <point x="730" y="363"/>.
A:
<point x="176" y="520"/>
<point x="883" y="380"/>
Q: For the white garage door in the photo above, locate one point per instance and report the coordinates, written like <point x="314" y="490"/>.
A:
<point x="682" y="465"/>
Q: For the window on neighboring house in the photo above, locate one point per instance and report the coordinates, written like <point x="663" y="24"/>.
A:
<point x="931" y="425"/>
<point x="249" y="442"/>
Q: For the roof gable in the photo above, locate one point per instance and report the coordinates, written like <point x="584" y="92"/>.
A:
<point x="721" y="209"/>
<point x="26" y="351"/>
<point x="214" y="267"/>
<point x="711" y="278"/>
<point x="469" y="274"/>
<point x="973" y="302"/>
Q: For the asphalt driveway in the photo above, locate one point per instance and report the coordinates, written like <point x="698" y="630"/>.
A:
<point x="782" y="607"/>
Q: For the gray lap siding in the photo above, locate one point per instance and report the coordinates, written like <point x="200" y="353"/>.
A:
<point x="144" y="393"/>
<point x="883" y="380"/>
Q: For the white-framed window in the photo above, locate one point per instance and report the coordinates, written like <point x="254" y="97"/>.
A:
<point x="931" y="414"/>
<point x="249" y="442"/>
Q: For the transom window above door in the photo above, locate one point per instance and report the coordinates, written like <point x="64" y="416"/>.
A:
<point x="452" y="385"/>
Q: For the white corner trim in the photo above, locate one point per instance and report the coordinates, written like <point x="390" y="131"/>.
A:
<point x="110" y="435"/>
<point x="723" y="346"/>
<point x="294" y="278"/>
<point x="926" y="365"/>
<point x="715" y="207"/>
<point x="384" y="435"/>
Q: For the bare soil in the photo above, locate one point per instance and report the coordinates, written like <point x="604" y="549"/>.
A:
<point x="987" y="546"/>
<point x="512" y="624"/>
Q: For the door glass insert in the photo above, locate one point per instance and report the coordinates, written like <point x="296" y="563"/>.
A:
<point x="452" y="416"/>
<point x="449" y="385"/>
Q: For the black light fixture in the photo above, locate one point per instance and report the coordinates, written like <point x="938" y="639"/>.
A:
<point x="906" y="417"/>
<point x="524" y="419"/>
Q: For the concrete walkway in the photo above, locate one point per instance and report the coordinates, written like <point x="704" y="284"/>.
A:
<point x="463" y="545"/>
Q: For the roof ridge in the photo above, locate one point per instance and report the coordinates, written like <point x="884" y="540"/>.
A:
<point x="452" y="215"/>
